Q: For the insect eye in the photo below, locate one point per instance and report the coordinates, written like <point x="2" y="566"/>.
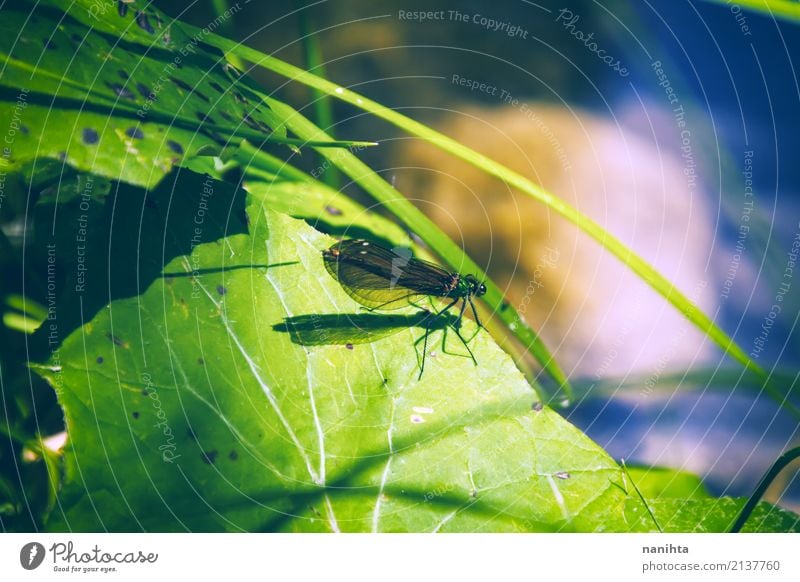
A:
<point x="481" y="289"/>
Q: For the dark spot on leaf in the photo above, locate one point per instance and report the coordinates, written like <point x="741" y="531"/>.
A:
<point x="123" y="74"/>
<point x="349" y="346"/>
<point x="209" y="457"/>
<point x="225" y="116"/>
<point x="62" y="156"/>
<point x="121" y="91"/>
<point x="145" y="392"/>
<point x="537" y="407"/>
<point x="143" y="22"/>
<point x="24" y="129"/>
<point x="76" y="37"/>
<point x="115" y="340"/>
<point x="504" y="306"/>
<point x="182" y="84"/>
<point x="203" y="97"/>
<point x="134" y="132"/>
<point x="233" y="455"/>
<point x="201" y="361"/>
<point x="191" y="434"/>
<point x="221" y="290"/>
<point x="90" y="136"/>
<point x="49" y="44"/>
<point x="175" y="146"/>
<point x="218" y="138"/>
<point x="333" y="211"/>
<point x="144" y="91"/>
<point x="216" y="86"/>
<point x="122" y="8"/>
<point x="100" y="359"/>
<point x="135" y="415"/>
<point x="203" y="117"/>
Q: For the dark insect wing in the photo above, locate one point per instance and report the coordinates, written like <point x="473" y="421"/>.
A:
<point x="380" y="278"/>
<point x="384" y="279"/>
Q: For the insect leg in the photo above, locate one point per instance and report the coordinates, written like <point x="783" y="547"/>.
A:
<point x="474" y="311"/>
<point x="457" y="327"/>
<point x="477" y="319"/>
<point x="446" y="309"/>
<point x="424" y="348"/>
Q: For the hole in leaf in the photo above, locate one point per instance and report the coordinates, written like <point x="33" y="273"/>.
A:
<point x="90" y="136"/>
<point x="203" y="117"/>
<point x="210" y="457"/>
<point x="175" y="146"/>
<point x="134" y="132"/>
<point x="182" y="84"/>
<point x="121" y="91"/>
<point x="144" y="23"/>
<point x="144" y="91"/>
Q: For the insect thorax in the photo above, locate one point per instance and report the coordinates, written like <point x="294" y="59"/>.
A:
<point x="455" y="286"/>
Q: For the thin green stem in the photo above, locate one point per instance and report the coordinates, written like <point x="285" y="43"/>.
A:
<point x="778" y="466"/>
<point x="323" y="113"/>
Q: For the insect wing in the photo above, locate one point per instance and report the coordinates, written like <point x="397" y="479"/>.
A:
<point x="381" y="278"/>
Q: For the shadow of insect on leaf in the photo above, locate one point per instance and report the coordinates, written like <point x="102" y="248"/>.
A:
<point x="227" y="268"/>
<point x="355" y="328"/>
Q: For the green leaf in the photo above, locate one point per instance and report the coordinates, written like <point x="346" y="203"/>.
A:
<point x="187" y="407"/>
<point x="125" y="101"/>
<point x="660" y="482"/>
<point x="710" y="516"/>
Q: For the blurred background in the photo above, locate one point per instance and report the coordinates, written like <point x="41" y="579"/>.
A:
<point x="672" y="124"/>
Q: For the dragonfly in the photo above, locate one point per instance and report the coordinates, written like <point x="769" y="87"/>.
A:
<point x="384" y="279"/>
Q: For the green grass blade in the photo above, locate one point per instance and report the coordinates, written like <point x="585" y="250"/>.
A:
<point x="784" y="9"/>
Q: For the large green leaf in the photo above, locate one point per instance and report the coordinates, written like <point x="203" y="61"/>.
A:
<point x="189" y="406"/>
<point x="93" y="94"/>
